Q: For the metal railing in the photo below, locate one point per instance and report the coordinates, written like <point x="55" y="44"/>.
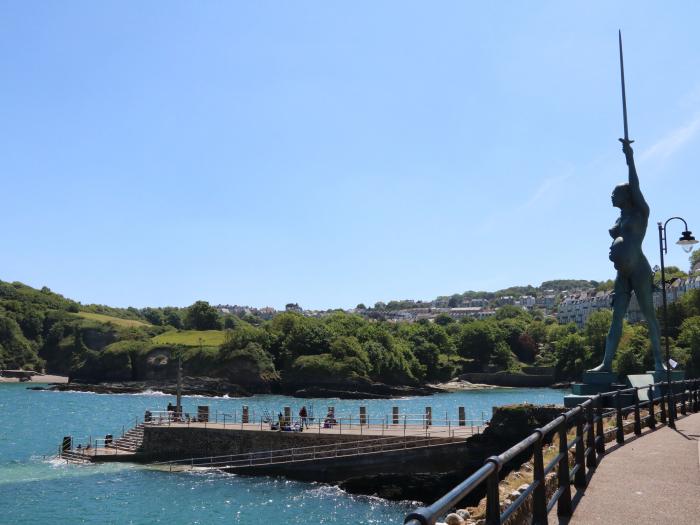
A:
<point x="404" y="424"/>
<point x="394" y="425"/>
<point x="586" y="424"/>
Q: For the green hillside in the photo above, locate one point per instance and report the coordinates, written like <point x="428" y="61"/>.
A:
<point x="101" y="318"/>
<point x="191" y="338"/>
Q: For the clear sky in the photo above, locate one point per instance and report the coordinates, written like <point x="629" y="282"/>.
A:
<point x="156" y="153"/>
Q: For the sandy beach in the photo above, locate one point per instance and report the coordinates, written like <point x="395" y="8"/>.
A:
<point x="38" y="378"/>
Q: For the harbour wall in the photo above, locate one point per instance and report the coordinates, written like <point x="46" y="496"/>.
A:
<point x="168" y="443"/>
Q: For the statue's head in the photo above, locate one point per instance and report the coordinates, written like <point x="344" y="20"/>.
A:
<point x="621" y="195"/>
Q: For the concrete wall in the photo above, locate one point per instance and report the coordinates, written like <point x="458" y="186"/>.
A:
<point x="440" y="458"/>
<point x="165" y="443"/>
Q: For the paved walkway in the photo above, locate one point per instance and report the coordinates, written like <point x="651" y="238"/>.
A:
<point x="651" y="479"/>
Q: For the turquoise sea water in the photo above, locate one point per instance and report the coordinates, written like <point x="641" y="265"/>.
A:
<point x="36" y="489"/>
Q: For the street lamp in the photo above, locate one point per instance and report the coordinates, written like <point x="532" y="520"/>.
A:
<point x="686" y="242"/>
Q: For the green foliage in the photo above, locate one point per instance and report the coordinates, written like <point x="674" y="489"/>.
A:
<point x="694" y="258"/>
<point x="573" y="356"/>
<point x="202" y="316"/>
<point x="102" y="318"/>
<point x="191" y="338"/>
<point x="477" y="341"/>
<point x="596" y="332"/>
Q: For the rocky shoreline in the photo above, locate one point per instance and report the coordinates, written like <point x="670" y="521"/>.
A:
<point x="216" y="387"/>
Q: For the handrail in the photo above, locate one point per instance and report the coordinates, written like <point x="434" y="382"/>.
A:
<point x="587" y="419"/>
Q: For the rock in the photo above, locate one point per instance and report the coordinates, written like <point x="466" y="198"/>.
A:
<point x="454" y="519"/>
<point x="514" y="495"/>
<point x="522" y="488"/>
<point x="463" y="513"/>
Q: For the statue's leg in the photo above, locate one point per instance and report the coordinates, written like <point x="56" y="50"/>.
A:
<point x="644" y="292"/>
<point x="620" y="303"/>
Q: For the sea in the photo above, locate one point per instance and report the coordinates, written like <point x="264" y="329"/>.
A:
<point x="38" y="488"/>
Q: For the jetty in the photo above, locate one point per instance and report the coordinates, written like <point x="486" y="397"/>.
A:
<point x="327" y="449"/>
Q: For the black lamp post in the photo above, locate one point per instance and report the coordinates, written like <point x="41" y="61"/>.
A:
<point x="686" y="242"/>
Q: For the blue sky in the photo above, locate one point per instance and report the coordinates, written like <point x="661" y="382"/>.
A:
<point x="264" y="152"/>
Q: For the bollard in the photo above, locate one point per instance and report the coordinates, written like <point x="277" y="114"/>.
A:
<point x="363" y="416"/>
<point x="244" y="414"/>
<point x="462" y="417"/>
<point x="394" y="415"/>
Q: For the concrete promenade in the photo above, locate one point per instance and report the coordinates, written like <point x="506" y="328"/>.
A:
<point x="652" y="479"/>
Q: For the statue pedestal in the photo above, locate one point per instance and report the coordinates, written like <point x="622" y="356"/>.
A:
<point x="592" y="383"/>
<point x="596" y="382"/>
<point x="662" y="377"/>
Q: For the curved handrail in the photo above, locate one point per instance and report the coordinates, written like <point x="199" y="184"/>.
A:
<point x="589" y="445"/>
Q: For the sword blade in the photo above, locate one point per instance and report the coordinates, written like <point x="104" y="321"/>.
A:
<point x="622" y="80"/>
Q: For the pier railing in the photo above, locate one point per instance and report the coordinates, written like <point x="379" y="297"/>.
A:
<point x="404" y="424"/>
<point x="581" y="434"/>
<point x="394" y="425"/>
<point x="316" y="452"/>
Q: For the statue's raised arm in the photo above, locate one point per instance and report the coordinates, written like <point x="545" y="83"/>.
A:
<point x="636" y="197"/>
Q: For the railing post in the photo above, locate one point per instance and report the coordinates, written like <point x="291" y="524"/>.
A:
<point x="539" y="496"/>
<point x="493" y="498"/>
<point x="580" y="476"/>
<point x="662" y="405"/>
<point x="600" y="435"/>
<point x="683" y="408"/>
<point x="695" y="396"/>
<point x="590" y="441"/>
<point x="619" y="431"/>
<point x="637" y="416"/>
<point x="671" y="409"/>
<point x="564" y="503"/>
<point x="652" y="408"/>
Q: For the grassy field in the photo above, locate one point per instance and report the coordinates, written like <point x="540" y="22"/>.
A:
<point x="109" y="319"/>
<point x="191" y="337"/>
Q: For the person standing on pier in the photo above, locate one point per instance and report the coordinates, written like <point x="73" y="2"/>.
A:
<point x="303" y="414"/>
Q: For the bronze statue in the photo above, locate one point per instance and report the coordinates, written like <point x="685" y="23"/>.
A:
<point x="633" y="271"/>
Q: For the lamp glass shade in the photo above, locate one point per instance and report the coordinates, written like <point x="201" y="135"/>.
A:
<point x="687" y="241"/>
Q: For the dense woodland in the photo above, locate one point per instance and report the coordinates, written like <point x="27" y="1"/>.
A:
<point x="40" y="329"/>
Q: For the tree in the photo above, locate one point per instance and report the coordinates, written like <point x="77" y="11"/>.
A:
<point x="202" y="316"/>
<point x="478" y="340"/>
<point x="153" y="316"/>
<point x="444" y="320"/>
<point x="689" y="338"/>
<point x="694" y="259"/>
<point x="172" y="317"/>
<point x="361" y="306"/>
<point x="573" y="356"/>
<point x="596" y="332"/>
<point x="454" y="301"/>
